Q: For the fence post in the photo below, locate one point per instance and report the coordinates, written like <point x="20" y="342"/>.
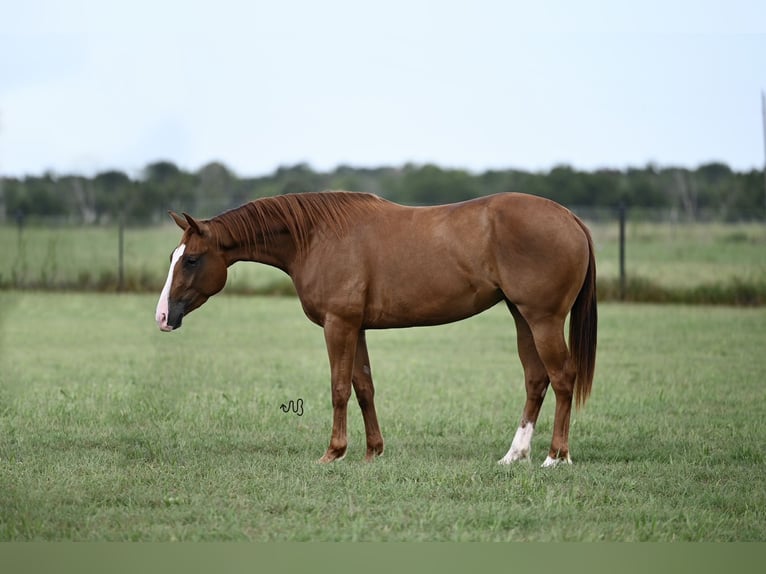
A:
<point x="19" y="226"/>
<point x="763" y="112"/>
<point x="121" y="253"/>
<point x="622" y="252"/>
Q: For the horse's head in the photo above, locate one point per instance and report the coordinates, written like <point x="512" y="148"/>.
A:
<point x="197" y="271"/>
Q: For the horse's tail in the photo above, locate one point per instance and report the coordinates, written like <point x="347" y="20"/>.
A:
<point x="583" y="322"/>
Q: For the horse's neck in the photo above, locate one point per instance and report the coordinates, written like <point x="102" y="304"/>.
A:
<point x="273" y="247"/>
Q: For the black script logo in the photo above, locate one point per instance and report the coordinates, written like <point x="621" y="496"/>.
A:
<point x="294" y="406"/>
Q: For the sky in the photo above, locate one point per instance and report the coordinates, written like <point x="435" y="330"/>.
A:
<point x="88" y="86"/>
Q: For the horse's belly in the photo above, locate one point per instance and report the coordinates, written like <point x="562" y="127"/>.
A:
<point x="426" y="303"/>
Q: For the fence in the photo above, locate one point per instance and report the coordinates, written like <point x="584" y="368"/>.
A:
<point x="643" y="255"/>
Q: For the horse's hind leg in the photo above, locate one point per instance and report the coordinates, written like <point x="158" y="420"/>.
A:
<point x="548" y="333"/>
<point x="536" y="383"/>
<point x="365" y="395"/>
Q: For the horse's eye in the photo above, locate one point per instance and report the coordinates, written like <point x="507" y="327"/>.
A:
<point x="191" y="261"/>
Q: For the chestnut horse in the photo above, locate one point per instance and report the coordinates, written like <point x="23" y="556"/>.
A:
<point x="360" y="262"/>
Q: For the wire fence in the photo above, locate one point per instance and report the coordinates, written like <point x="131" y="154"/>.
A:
<point x="637" y="249"/>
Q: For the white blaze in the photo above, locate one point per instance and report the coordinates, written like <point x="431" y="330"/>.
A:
<point x="162" y="304"/>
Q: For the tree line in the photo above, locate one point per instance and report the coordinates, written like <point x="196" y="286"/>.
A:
<point x="713" y="189"/>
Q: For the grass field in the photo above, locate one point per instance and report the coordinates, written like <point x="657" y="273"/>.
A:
<point x="111" y="430"/>
<point x="682" y="262"/>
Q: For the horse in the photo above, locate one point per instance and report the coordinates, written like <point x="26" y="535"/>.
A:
<point x="361" y="262"/>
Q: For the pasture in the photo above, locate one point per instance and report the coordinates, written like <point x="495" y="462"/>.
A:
<point x="111" y="430"/>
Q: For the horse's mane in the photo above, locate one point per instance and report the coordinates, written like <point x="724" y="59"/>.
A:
<point x="258" y="221"/>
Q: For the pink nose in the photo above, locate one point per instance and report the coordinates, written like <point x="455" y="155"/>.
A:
<point x="162" y="321"/>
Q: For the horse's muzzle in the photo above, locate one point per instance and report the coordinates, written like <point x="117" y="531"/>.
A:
<point x="176" y="311"/>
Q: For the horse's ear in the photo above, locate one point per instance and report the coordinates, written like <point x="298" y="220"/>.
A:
<point x="180" y="221"/>
<point x="193" y="223"/>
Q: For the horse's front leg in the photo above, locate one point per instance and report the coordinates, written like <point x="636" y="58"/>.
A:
<point x="341" y="337"/>
<point x="365" y="395"/>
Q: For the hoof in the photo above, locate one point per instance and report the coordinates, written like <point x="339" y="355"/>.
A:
<point x="513" y="457"/>
<point x="331" y="456"/>
<point x="372" y="454"/>
<point x="553" y="462"/>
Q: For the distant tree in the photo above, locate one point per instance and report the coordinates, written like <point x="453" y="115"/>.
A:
<point x="429" y="185"/>
<point x="643" y="188"/>
<point x="215" y="188"/>
<point x="496" y="181"/>
<point x="605" y="188"/>
<point x="567" y="186"/>
<point x="81" y="194"/>
<point x="298" y="178"/>
<point x="112" y="190"/>
<point x="712" y="187"/>
<point x="717" y="186"/>
<point x="346" y="178"/>
<point x="40" y="196"/>
<point x="162" y="172"/>
<point x="16" y="199"/>
<point x="751" y="199"/>
<point x="682" y="187"/>
<point x="386" y="182"/>
<point x="531" y="183"/>
<point x="165" y="186"/>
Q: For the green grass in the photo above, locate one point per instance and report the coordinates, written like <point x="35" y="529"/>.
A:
<point x="111" y="430"/>
<point x="684" y="256"/>
<point x="694" y="263"/>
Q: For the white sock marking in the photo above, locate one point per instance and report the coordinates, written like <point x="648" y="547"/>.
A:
<point x="521" y="447"/>
<point x="552" y="462"/>
<point x="161" y="315"/>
